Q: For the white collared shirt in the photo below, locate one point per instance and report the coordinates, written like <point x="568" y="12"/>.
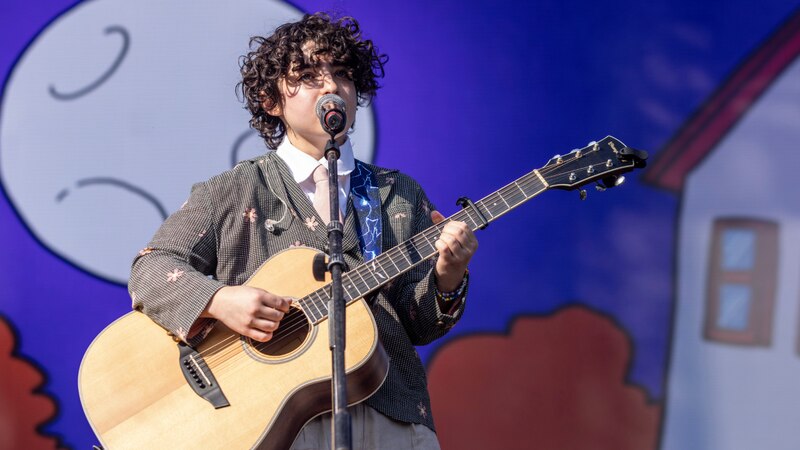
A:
<point x="302" y="165"/>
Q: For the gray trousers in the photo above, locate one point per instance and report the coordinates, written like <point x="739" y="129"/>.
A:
<point x="371" y="431"/>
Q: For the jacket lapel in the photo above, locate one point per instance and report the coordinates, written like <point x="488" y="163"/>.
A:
<point x="386" y="185"/>
<point x="304" y="210"/>
<point x="300" y="204"/>
<point x="350" y="239"/>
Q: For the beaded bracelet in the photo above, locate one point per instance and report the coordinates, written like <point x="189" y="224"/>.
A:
<point x="458" y="293"/>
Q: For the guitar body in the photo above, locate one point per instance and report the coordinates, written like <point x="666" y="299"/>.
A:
<point x="136" y="396"/>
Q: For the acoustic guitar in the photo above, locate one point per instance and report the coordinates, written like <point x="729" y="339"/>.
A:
<point x="140" y="389"/>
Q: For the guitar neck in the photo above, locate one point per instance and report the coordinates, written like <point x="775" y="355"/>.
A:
<point x="405" y="256"/>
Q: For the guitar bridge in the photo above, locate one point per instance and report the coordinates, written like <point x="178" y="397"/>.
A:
<point x="199" y="377"/>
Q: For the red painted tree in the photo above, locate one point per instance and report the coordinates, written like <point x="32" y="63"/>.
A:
<point x="554" y="382"/>
<point x="22" y="409"/>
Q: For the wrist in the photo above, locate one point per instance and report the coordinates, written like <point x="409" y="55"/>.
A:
<point x="456" y="293"/>
<point x="211" y="310"/>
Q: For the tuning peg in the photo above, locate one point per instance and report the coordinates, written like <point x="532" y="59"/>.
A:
<point x="612" y="181"/>
<point x="582" y="193"/>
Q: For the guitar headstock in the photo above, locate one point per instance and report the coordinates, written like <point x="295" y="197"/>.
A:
<point x="603" y="161"/>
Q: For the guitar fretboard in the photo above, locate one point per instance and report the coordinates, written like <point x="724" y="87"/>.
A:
<point x="405" y="256"/>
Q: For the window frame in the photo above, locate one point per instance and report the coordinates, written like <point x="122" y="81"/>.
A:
<point x="762" y="280"/>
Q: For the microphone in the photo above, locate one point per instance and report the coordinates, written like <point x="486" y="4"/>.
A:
<point x="331" y="112"/>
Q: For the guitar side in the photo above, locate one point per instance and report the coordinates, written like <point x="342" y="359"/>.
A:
<point x="135" y="395"/>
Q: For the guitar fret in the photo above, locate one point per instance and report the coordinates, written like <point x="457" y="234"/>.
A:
<point x="428" y="241"/>
<point x="310" y="302"/>
<point x="485" y="212"/>
<point x="375" y="281"/>
<point x="411" y="252"/>
<point x="367" y="286"/>
<point x="516" y="183"/>
<point x="514" y="199"/>
<point x="307" y="310"/>
<point x="400" y="251"/>
<point x="536" y="184"/>
<point x="377" y="265"/>
<point x="516" y="196"/>
<point x="475" y="223"/>
<point x="322" y="303"/>
<point x="346" y="278"/>
<point x="391" y="260"/>
<point x="496" y="208"/>
<point x="491" y="202"/>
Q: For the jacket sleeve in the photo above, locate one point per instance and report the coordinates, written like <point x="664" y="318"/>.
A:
<point x="414" y="293"/>
<point x="172" y="278"/>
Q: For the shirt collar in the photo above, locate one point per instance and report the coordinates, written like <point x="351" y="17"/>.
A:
<point x="301" y="164"/>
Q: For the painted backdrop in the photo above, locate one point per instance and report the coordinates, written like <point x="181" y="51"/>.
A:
<point x="661" y="314"/>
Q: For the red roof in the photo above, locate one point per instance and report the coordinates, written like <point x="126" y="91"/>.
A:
<point x="717" y="116"/>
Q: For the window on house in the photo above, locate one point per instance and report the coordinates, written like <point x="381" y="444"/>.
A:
<point x="742" y="281"/>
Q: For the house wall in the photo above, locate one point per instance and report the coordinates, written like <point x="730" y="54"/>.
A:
<point x="726" y="396"/>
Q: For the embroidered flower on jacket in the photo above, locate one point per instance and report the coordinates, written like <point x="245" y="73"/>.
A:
<point x="423" y="411"/>
<point x="174" y="275"/>
<point x="400" y="215"/>
<point x="296" y="244"/>
<point x="182" y="334"/>
<point x="250" y="214"/>
<point x="202" y="233"/>
<point x="145" y="251"/>
<point x="311" y="223"/>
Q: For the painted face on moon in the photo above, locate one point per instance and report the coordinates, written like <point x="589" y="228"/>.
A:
<point x="117" y="108"/>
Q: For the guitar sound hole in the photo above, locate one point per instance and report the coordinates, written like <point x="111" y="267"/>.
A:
<point x="289" y="336"/>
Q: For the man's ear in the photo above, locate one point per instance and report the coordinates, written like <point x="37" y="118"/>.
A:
<point x="272" y="110"/>
<point x="270" y="107"/>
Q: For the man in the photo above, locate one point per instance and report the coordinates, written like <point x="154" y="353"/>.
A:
<point x="191" y="273"/>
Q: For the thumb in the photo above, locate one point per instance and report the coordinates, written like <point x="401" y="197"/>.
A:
<point x="436" y="217"/>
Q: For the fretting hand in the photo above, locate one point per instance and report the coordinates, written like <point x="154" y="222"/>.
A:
<point x="456" y="246"/>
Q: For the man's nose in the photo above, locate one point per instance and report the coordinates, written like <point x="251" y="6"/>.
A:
<point x="329" y="85"/>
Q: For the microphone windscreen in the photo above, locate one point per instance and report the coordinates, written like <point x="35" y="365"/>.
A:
<point x="328" y="102"/>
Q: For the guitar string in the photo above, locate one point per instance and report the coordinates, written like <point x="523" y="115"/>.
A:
<point x="299" y="319"/>
<point x="296" y="321"/>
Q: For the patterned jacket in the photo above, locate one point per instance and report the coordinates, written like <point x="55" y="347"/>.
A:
<point x="235" y="221"/>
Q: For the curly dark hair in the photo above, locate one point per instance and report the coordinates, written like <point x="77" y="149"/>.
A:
<point x="271" y="58"/>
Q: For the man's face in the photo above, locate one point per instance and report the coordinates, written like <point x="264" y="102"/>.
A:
<point x="302" y="87"/>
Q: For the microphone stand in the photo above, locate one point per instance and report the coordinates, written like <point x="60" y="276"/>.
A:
<point x="341" y="429"/>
